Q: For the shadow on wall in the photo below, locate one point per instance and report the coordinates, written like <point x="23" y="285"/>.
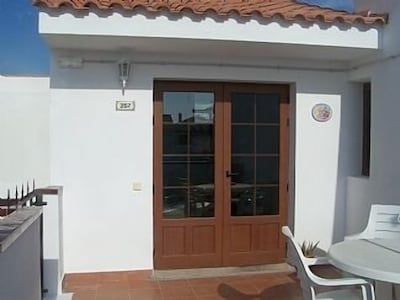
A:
<point x="349" y="158"/>
<point x="51" y="280"/>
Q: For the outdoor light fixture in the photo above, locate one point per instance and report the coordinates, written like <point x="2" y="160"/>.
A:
<point x="124" y="67"/>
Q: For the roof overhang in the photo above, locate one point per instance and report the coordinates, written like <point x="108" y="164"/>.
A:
<point x="211" y="36"/>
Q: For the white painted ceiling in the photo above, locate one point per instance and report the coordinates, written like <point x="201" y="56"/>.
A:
<point x="213" y="49"/>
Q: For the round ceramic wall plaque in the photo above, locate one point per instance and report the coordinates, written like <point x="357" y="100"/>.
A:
<point x="321" y="112"/>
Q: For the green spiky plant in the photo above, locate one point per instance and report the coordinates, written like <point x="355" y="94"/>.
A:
<point x="308" y="248"/>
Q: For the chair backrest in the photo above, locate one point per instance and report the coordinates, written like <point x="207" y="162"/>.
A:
<point x="384" y="222"/>
<point x="303" y="270"/>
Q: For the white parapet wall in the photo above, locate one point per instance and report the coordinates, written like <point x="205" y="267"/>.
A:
<point x="20" y="275"/>
<point x="24" y="131"/>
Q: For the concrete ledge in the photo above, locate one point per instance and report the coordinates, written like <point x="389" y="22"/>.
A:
<point x="59" y="297"/>
<point x="221" y="272"/>
<point x="15" y="224"/>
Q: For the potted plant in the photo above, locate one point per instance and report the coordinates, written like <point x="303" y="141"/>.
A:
<point x="308" y="248"/>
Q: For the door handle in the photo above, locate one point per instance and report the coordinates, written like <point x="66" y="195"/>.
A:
<point x="229" y="174"/>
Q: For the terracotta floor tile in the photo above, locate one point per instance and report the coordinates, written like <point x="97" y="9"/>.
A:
<point x="140" y="275"/>
<point x="232" y="279"/>
<point x="169" y="283"/>
<point x="113" y="295"/>
<point x="114" y="285"/>
<point x="203" y="281"/>
<point x="262" y="284"/>
<point x="237" y="289"/>
<point x="204" y="290"/>
<point x="177" y="292"/>
<point x="112" y="276"/>
<point x="139" y="286"/>
<point x="211" y="297"/>
<point x="82" y="278"/>
<point x="143" y="284"/>
<point x="289" y="291"/>
<point x="85" y="295"/>
<point x="145" y="294"/>
<point x="80" y="289"/>
<point x="178" y="298"/>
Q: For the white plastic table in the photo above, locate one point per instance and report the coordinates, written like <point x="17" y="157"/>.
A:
<point x="377" y="259"/>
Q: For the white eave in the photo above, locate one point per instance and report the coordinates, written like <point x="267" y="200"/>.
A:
<point x="148" y="33"/>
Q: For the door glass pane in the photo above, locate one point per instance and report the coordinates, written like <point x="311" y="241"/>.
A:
<point x="202" y="139"/>
<point x="175" y="203"/>
<point x="242" y="170"/>
<point x="267" y="108"/>
<point x="267" y="170"/>
<point x="201" y="170"/>
<point x="242" y="108"/>
<point x="242" y="200"/>
<point x="267" y="139"/>
<point x="202" y="201"/>
<point x="255" y="154"/>
<point x="188" y="154"/>
<point x="267" y="201"/>
<point x="193" y="107"/>
<point x="175" y="171"/>
<point x="175" y="139"/>
<point x="242" y="139"/>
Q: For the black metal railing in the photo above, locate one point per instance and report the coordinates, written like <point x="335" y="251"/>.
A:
<point x="25" y="196"/>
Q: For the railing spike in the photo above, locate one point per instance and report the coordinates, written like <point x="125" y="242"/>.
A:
<point x="16" y="192"/>
<point x="8" y="194"/>
<point x="34" y="184"/>
<point x="27" y="186"/>
<point x="22" y="191"/>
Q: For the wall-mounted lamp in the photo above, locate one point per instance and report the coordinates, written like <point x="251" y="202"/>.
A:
<point x="124" y="67"/>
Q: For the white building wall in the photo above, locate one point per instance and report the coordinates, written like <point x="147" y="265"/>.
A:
<point x="20" y="267"/>
<point x="24" y="135"/>
<point x="97" y="153"/>
<point x="382" y="186"/>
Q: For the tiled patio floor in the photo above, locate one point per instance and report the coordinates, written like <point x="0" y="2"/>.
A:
<point x="139" y="286"/>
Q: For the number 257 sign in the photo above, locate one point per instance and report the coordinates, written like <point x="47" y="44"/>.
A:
<point x="125" y="105"/>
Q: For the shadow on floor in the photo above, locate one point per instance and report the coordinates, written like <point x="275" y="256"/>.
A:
<point x="278" y="292"/>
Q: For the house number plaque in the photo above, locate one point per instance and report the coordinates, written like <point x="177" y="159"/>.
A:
<point x="125" y="105"/>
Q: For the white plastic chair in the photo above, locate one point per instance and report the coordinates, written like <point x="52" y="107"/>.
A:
<point x="347" y="288"/>
<point x="383" y="223"/>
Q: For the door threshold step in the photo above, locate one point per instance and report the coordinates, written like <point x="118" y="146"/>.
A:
<point x="221" y="272"/>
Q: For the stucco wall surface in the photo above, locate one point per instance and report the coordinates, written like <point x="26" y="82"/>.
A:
<point x="97" y="153"/>
<point x="382" y="186"/>
<point x="24" y="131"/>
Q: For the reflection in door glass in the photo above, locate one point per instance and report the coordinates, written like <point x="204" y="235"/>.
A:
<point x="188" y="154"/>
<point x="255" y="154"/>
<point x="267" y="201"/>
<point x="193" y="107"/>
<point x="175" y="203"/>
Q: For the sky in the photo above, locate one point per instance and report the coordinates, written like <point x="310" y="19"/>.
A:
<point x="22" y="49"/>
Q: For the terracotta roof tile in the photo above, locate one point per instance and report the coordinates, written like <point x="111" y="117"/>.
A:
<point x="286" y="9"/>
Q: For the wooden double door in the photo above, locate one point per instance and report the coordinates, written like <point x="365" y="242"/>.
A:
<point x="220" y="174"/>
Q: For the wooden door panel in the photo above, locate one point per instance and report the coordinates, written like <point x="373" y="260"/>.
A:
<point x="233" y="217"/>
<point x="204" y="240"/>
<point x="267" y="236"/>
<point x="187" y="175"/>
<point x="174" y="240"/>
<point x="256" y="138"/>
<point x="240" y="237"/>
